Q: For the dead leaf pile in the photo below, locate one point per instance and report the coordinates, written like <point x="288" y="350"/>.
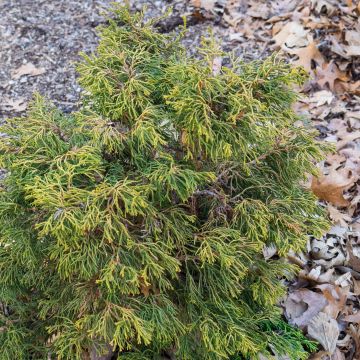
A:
<point x="323" y="301"/>
<point x="323" y="36"/>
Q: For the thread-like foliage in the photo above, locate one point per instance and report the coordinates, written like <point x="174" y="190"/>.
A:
<point x="139" y="221"/>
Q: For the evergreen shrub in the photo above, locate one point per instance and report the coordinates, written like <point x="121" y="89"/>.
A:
<point x="138" y="222"/>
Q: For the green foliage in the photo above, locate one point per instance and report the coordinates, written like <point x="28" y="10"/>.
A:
<point x="139" y="220"/>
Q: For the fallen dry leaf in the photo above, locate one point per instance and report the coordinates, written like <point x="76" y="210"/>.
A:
<point x="258" y="10"/>
<point x="344" y="281"/>
<point x="356" y="289"/>
<point x="15" y="105"/>
<point x="319" y="355"/>
<point x="325" y="330"/>
<point x="307" y="55"/>
<point x="27" y="69"/>
<point x="326" y="276"/>
<point x="352" y="50"/>
<point x="337" y="355"/>
<point x="216" y="65"/>
<point x="355" y="334"/>
<point x="339" y="231"/>
<point x="354" y="261"/>
<point x="345" y="51"/>
<point x="291" y="35"/>
<point x="338" y="217"/>
<point x="352" y="37"/>
<point x="345" y="342"/>
<point x="302" y="305"/>
<point x="328" y="74"/>
<point x="336" y="297"/>
<point x="335" y="159"/>
<point x="346" y="137"/>
<point x="317" y="276"/>
<point x="314" y="273"/>
<point x="324" y="6"/>
<point x="355" y="318"/>
<point x="337" y="260"/>
<point x="330" y="187"/>
<point x="351" y="87"/>
<point x="321" y="250"/>
<point x="207" y="5"/>
<point x="322" y="97"/>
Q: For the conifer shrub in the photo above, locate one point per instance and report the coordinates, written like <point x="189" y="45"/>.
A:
<point x="138" y="222"/>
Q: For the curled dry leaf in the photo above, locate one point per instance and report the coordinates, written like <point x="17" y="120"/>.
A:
<point x="317" y="276"/>
<point x="319" y="355"/>
<point x="324" y="6"/>
<point x="314" y="273"/>
<point x="258" y="10"/>
<point x="330" y="187"/>
<point x="325" y="330"/>
<point x="337" y="260"/>
<point x="345" y="342"/>
<point x="352" y="37"/>
<point x="350" y="87"/>
<point x="322" y="250"/>
<point x="326" y="277"/>
<point x="302" y="305"/>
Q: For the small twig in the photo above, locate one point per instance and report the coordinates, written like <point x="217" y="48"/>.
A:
<point x="208" y="192"/>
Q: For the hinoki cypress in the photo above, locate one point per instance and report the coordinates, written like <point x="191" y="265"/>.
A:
<point x="138" y="222"/>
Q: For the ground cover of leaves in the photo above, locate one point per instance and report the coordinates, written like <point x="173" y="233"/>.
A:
<point x="40" y="40"/>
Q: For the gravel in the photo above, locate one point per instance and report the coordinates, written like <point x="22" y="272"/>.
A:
<point x="50" y="34"/>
